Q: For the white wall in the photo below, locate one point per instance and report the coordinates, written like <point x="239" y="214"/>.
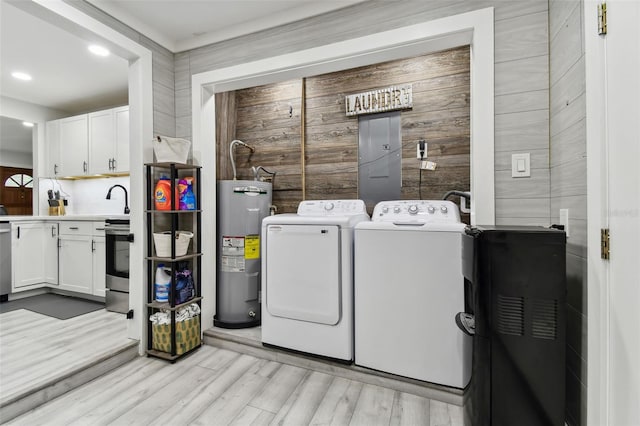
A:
<point x="16" y="159"/>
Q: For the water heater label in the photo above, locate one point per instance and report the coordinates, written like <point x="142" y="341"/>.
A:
<point x="232" y="258"/>
<point x="252" y="247"/>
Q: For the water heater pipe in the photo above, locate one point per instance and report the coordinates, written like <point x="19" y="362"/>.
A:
<point x="232" y="153"/>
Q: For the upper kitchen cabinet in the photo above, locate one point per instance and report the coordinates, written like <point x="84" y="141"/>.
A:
<point x="89" y="144"/>
<point x="109" y="141"/>
<point x="52" y="148"/>
<point x="74" y="146"/>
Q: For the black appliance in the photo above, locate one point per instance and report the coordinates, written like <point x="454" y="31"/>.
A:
<point x="117" y="239"/>
<point x="515" y="290"/>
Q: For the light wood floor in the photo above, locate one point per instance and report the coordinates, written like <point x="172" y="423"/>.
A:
<point x="36" y="349"/>
<point x="219" y="387"/>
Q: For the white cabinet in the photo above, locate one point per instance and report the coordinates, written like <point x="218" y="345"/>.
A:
<point x="51" y="253"/>
<point x="94" y="143"/>
<point x="74" y="146"/>
<point x="76" y="273"/>
<point x="109" y="141"/>
<point x="27" y="254"/>
<point x="121" y="159"/>
<point x="52" y="148"/>
<point x="99" y="259"/>
<point x="82" y="257"/>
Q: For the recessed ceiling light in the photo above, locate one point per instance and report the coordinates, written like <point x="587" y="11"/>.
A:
<point x="27" y="124"/>
<point x="98" y="50"/>
<point x="21" y="75"/>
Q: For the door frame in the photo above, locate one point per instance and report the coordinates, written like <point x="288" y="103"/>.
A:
<point x="68" y="18"/>
<point x="607" y="210"/>
<point x="475" y="28"/>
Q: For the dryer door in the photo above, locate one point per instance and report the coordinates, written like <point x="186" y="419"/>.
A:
<point x="303" y="272"/>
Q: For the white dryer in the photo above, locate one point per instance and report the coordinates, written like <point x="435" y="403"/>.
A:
<point x="307" y="278"/>
<point x="408" y="288"/>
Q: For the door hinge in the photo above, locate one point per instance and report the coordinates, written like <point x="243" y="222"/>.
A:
<point x="604" y="244"/>
<point x="602" y="19"/>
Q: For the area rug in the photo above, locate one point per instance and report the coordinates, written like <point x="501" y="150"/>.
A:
<point x="53" y="305"/>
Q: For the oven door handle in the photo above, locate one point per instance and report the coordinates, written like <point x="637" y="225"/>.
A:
<point x="118" y="232"/>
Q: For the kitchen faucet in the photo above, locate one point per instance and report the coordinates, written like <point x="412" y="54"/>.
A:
<point x="126" y="201"/>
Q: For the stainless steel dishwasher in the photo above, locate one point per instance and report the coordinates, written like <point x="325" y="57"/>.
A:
<point x="5" y="261"/>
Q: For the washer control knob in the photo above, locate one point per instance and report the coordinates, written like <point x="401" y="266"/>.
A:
<point x="431" y="209"/>
<point x="396" y="209"/>
<point x="328" y="206"/>
<point x="385" y="209"/>
<point x="443" y="209"/>
<point x="413" y="209"/>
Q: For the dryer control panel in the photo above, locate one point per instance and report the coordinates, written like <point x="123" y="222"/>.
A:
<point x="331" y="208"/>
<point x="416" y="211"/>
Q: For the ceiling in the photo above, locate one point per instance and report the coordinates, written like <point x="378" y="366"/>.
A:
<point x="67" y="77"/>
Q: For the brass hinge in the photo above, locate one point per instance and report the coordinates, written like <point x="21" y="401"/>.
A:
<point x="604" y="244"/>
<point x="602" y="19"/>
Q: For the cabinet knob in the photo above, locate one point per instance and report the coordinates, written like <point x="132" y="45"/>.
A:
<point x="84" y="166"/>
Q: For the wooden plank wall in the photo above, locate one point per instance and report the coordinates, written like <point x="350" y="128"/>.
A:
<point x="440" y="115"/>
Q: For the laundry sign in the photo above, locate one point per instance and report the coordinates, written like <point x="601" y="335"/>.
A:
<point x="380" y="100"/>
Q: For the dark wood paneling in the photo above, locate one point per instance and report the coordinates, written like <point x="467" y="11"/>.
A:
<point x="268" y="118"/>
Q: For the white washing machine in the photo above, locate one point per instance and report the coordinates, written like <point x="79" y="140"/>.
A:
<point x="307" y="278"/>
<point x="408" y="288"/>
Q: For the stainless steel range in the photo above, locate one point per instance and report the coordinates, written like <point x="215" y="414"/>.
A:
<point x="117" y="266"/>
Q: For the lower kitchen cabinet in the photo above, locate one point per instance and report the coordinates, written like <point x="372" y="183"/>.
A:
<point x="76" y="263"/>
<point x="51" y="253"/>
<point x="27" y="255"/>
<point x="99" y="249"/>
<point x="82" y="257"/>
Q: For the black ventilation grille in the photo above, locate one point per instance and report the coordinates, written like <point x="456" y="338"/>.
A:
<point x="544" y="322"/>
<point x="510" y="315"/>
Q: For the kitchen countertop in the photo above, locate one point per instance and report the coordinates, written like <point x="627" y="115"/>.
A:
<point x="95" y="217"/>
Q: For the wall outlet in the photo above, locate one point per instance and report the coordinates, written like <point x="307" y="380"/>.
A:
<point x="418" y="151"/>
<point x="564" y="220"/>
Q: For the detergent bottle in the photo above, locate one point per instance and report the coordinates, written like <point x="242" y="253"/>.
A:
<point x="163" y="194"/>
<point x="162" y="284"/>
<point x="187" y="197"/>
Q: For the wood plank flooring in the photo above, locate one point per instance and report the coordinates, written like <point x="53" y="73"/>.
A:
<point x="36" y="349"/>
<point x="216" y="386"/>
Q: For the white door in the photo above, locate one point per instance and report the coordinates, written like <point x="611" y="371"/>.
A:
<point x="50" y="252"/>
<point x="52" y="137"/>
<point x="121" y="162"/>
<point x="99" y="248"/>
<point x="303" y="272"/>
<point x="101" y="141"/>
<point x="76" y="267"/>
<point x="74" y="146"/>
<point x="27" y="264"/>
<point x="613" y="151"/>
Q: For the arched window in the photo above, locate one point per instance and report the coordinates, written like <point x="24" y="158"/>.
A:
<point x="19" y="181"/>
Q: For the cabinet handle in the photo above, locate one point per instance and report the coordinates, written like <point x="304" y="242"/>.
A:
<point x="93" y="245"/>
<point x="100" y="229"/>
<point x="110" y="164"/>
<point x="84" y="166"/>
<point x="53" y="231"/>
<point x="55" y="169"/>
<point x="18" y="236"/>
<point x="75" y="228"/>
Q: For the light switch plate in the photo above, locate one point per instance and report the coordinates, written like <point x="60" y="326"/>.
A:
<point x="521" y="165"/>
